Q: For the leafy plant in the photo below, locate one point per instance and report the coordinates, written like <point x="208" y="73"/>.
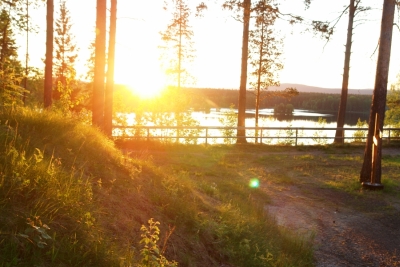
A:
<point x="228" y="119"/>
<point x="318" y="136"/>
<point x="36" y="232"/>
<point x="359" y="135"/>
<point x="290" y="135"/>
<point x="151" y="254"/>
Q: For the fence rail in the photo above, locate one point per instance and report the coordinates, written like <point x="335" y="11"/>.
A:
<point x="281" y="135"/>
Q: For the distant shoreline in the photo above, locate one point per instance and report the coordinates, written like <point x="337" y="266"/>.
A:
<point x="307" y="89"/>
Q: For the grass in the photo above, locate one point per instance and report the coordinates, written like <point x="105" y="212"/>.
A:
<point x="70" y="197"/>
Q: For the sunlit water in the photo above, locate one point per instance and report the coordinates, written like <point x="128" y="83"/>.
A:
<point x="300" y="119"/>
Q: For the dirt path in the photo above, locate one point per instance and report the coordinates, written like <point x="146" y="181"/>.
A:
<point x="346" y="231"/>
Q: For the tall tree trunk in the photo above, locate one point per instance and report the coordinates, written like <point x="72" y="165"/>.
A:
<point x="258" y="90"/>
<point x="380" y="90"/>
<point x="99" y="65"/>
<point x="180" y="48"/>
<point x="257" y="112"/>
<point x="108" y="102"/>
<point x="339" y="137"/>
<point x="48" y="71"/>
<point x="27" y="54"/>
<point x="241" y="132"/>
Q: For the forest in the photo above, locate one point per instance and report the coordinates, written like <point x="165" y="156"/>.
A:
<point x="318" y="102"/>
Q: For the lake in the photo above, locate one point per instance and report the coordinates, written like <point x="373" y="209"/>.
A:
<point x="299" y="119"/>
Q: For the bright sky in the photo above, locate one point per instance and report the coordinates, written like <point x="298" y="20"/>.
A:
<point x="217" y="38"/>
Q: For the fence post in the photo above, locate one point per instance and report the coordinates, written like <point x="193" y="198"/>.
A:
<point x="297" y="130"/>
<point x="206" y="136"/>
<point x="148" y="134"/>
<point x="261" y="136"/>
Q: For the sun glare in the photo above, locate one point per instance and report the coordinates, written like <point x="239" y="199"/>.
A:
<point x="146" y="84"/>
<point x="147" y="90"/>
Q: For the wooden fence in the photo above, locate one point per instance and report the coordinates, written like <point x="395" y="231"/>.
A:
<point x="266" y="135"/>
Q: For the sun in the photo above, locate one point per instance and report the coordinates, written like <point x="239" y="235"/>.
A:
<point x="148" y="88"/>
<point x="146" y="83"/>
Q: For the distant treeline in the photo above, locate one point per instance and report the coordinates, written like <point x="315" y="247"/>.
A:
<point x="223" y="98"/>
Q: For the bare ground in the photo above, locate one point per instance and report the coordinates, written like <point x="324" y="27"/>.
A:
<point x="347" y="230"/>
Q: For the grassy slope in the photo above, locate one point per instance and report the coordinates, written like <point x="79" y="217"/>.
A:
<point x="64" y="174"/>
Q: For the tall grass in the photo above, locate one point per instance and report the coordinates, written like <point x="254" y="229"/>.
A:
<point x="69" y="197"/>
<point x="45" y="182"/>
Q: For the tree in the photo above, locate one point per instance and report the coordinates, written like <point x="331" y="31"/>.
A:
<point x="108" y="107"/>
<point x="392" y="114"/>
<point x="18" y="11"/>
<point x="27" y="52"/>
<point x="177" y="51"/>
<point x="64" y="60"/>
<point x="246" y="7"/>
<point x="8" y="48"/>
<point x="265" y="52"/>
<point x="377" y="111"/>
<point x="99" y="74"/>
<point x="48" y="72"/>
<point x="11" y="72"/>
<point x="353" y="7"/>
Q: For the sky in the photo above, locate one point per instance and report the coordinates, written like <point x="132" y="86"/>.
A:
<point x="217" y="38"/>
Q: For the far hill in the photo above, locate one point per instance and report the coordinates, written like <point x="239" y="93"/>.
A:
<point x="314" y="89"/>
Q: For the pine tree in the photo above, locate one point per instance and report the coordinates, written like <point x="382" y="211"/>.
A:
<point x="48" y="71"/>
<point x="109" y="90"/>
<point x="178" y="49"/>
<point x="243" y="10"/>
<point x="354" y="8"/>
<point x="372" y="173"/>
<point x="65" y="56"/>
<point x="178" y="53"/>
<point x="265" y="52"/>
<point x="99" y="66"/>
<point x="11" y="72"/>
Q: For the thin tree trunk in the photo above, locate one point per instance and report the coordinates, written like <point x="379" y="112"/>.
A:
<point x="259" y="79"/>
<point x="27" y="54"/>
<point x="257" y="111"/>
<point x="99" y="65"/>
<point x="380" y="90"/>
<point x="339" y="137"/>
<point x="108" y="102"/>
<point x="180" y="48"/>
<point x="48" y="72"/>
<point x="241" y="132"/>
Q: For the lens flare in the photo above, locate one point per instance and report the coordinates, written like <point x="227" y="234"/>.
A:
<point x="254" y="183"/>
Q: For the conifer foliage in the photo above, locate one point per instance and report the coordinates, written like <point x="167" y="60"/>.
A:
<point x="178" y="49"/>
<point x="11" y="72"/>
<point x="265" y="51"/>
<point x="66" y="52"/>
<point x="64" y="60"/>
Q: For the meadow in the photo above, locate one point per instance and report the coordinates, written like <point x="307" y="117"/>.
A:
<point x="71" y="197"/>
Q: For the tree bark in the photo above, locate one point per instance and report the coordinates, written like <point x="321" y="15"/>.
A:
<point x="48" y="71"/>
<point x="339" y="136"/>
<point x="380" y="90"/>
<point x="108" y="104"/>
<point x="241" y="132"/>
<point x="99" y="65"/>
<point x="26" y="54"/>
<point x="258" y="92"/>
